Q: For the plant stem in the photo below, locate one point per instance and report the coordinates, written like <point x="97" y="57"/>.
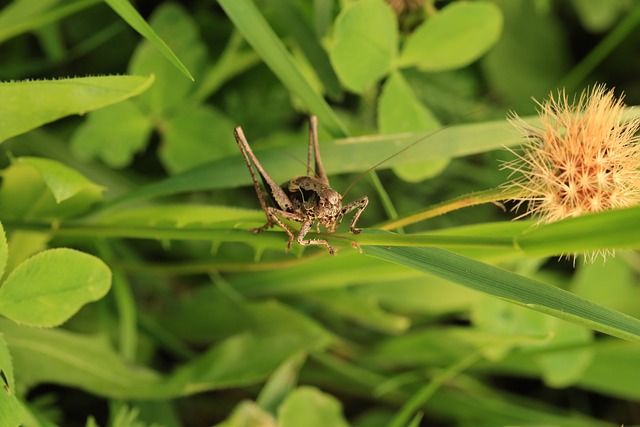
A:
<point x="471" y="199"/>
<point x="419" y="399"/>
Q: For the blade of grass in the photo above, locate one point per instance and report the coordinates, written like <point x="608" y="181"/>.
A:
<point x="131" y="16"/>
<point x="340" y="156"/>
<point x="509" y="286"/>
<point x="125" y="305"/>
<point x="301" y="30"/>
<point x="419" y="400"/>
<point x="251" y="23"/>
<point x="616" y="229"/>
<point x="20" y="17"/>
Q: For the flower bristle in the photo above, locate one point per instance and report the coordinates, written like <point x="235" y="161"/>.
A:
<point x="583" y="159"/>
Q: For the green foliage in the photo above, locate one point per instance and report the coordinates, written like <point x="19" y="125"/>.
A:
<point x="399" y="110"/>
<point x="115" y="145"/>
<point x="457" y="36"/>
<point x="209" y="323"/>
<point x="11" y="408"/>
<point x="245" y="357"/>
<point x="50" y="287"/>
<point x="27" y="105"/>
<point x="45" y="189"/>
<point x="309" y="406"/>
<point x="511" y="287"/>
<point x="359" y="56"/>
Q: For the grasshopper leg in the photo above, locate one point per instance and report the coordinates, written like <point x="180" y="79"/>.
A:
<point x="304" y="229"/>
<point x="359" y="204"/>
<point x="274" y="215"/>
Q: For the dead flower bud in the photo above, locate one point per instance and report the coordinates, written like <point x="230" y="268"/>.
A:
<point x="583" y="159"/>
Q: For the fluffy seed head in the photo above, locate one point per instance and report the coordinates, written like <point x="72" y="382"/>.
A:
<point x="583" y="159"/>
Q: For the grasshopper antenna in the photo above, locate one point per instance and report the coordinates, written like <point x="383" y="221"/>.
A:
<point x="383" y="161"/>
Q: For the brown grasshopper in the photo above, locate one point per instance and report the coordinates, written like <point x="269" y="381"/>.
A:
<point x="304" y="199"/>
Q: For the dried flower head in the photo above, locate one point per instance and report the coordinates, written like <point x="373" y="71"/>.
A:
<point x="583" y="159"/>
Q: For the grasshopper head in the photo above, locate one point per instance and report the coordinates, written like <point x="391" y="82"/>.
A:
<point x="329" y="210"/>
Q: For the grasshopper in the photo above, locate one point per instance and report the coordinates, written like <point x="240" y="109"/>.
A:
<point x="307" y="199"/>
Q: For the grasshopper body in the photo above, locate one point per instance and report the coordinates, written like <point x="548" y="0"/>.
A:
<point x="306" y="199"/>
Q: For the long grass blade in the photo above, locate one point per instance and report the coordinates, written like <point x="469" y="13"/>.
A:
<point x="509" y="286"/>
<point x="257" y="31"/>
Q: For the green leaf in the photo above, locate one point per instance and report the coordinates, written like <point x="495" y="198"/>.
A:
<point x="193" y="136"/>
<point x="310" y="407"/>
<point x="172" y="22"/>
<point x="280" y="383"/>
<point x="24" y="244"/>
<point x="251" y="23"/>
<point x="275" y="334"/>
<point x="620" y="291"/>
<point x="34" y="188"/>
<point x="512" y="287"/>
<point x="52" y="286"/>
<point x="221" y="367"/>
<point x="248" y="414"/>
<point x="62" y="181"/>
<point x="68" y="358"/>
<point x="137" y="22"/>
<point x="566" y="368"/>
<point x="91" y="422"/>
<point x="442" y="345"/>
<point x="400" y="111"/>
<point x="270" y="334"/>
<point x="455" y="37"/>
<point x="10" y="409"/>
<point x="98" y="138"/>
<point x="359" y="55"/>
<point x="410" y="296"/>
<point x="599" y="16"/>
<point x="25" y="105"/>
<point x="359" y="307"/>
<point x="562" y="368"/>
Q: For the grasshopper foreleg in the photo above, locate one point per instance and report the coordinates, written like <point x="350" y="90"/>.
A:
<point x="359" y="204"/>
<point x="304" y="229"/>
<point x="275" y="214"/>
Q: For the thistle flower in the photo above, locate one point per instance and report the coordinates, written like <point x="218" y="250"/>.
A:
<point x="583" y="159"/>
